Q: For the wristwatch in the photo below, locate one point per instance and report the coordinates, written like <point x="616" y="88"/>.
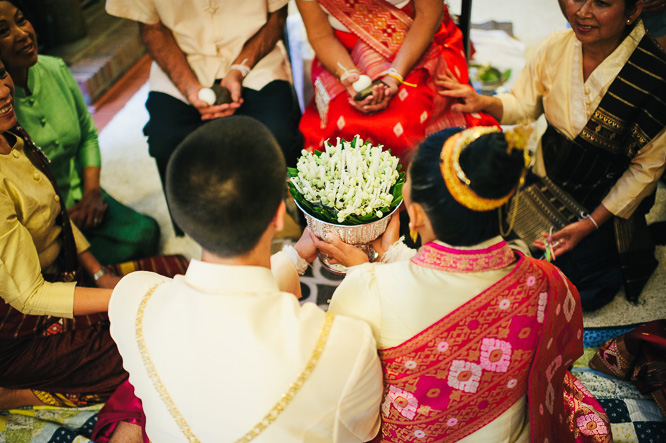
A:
<point x="97" y="275"/>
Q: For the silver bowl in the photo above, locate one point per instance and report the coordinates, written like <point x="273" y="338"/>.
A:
<point x="358" y="235"/>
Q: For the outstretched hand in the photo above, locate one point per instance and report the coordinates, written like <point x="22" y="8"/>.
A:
<point x="449" y="86"/>
<point x="107" y="281"/>
<point x="566" y="239"/>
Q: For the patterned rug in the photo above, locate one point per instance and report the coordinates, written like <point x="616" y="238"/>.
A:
<point x="47" y="424"/>
<point x="318" y="285"/>
<point x="634" y="417"/>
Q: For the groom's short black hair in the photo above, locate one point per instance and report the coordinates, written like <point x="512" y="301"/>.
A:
<point x="224" y="184"/>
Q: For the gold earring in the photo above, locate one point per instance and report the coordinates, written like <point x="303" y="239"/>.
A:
<point x="414" y="235"/>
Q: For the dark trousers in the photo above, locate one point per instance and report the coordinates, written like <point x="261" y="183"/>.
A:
<point x="171" y="120"/>
<point x="593" y="266"/>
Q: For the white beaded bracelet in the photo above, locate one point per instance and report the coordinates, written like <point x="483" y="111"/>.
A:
<point x="347" y="72"/>
<point x="242" y="68"/>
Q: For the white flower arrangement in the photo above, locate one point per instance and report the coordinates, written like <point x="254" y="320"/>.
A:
<point x="348" y="183"/>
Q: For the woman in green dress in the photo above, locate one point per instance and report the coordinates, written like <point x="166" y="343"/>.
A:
<point x="50" y="106"/>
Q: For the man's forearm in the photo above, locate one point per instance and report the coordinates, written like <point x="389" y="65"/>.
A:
<point x="163" y="48"/>
<point x="264" y="40"/>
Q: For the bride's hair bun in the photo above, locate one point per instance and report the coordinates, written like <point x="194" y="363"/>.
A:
<point x="493" y="172"/>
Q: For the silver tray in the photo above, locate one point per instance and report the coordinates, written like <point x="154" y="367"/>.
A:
<point x="358" y="235"/>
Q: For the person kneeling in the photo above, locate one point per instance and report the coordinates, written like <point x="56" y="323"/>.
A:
<point x="221" y="353"/>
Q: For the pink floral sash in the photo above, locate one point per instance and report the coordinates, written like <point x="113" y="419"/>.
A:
<point x="517" y="337"/>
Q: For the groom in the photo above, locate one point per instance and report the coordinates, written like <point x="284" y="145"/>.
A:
<point x="221" y="353"/>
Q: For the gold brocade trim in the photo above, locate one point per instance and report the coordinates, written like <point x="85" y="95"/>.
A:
<point x="67" y="400"/>
<point x="268" y="419"/>
<point x="468" y="260"/>
<point x="282" y="404"/>
<point x="609" y="120"/>
<point x="608" y="129"/>
<point x="54" y="399"/>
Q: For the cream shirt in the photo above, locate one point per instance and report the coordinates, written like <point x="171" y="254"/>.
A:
<point x="552" y="84"/>
<point x="30" y="238"/>
<point x="406" y="300"/>
<point x="211" y="33"/>
<point x="227" y="344"/>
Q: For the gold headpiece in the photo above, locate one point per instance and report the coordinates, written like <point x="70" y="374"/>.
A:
<point x="455" y="178"/>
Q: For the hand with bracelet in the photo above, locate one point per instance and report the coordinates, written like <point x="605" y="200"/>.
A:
<point x="233" y="82"/>
<point x="570" y="236"/>
<point x="99" y="275"/>
<point x="350" y="255"/>
<point x="375" y="100"/>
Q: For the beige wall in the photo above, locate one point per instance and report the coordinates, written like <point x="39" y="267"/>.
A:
<point x="533" y="20"/>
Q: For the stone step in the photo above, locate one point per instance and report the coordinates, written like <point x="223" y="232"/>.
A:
<point x="109" y="49"/>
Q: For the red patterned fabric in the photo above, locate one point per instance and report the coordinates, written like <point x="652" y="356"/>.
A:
<point x="639" y="356"/>
<point x="123" y="405"/>
<point x="378" y="29"/>
<point x="437" y="256"/>
<point x="585" y="417"/>
<point x="517" y="337"/>
<point x="71" y="362"/>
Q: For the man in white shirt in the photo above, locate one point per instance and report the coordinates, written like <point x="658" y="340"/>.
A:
<point x="221" y="353"/>
<point x="196" y="43"/>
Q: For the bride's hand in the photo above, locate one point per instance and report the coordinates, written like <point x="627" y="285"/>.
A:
<point x="340" y="252"/>
<point x="390" y="236"/>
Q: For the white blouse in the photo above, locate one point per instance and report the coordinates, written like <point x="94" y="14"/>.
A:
<point x="552" y="84"/>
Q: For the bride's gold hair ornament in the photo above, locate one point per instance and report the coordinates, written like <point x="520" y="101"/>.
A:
<point x="455" y="178"/>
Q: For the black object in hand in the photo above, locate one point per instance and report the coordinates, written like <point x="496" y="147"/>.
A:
<point x="362" y="94"/>
<point x="222" y="94"/>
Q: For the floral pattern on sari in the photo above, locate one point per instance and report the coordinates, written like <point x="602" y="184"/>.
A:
<point x="518" y="337"/>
